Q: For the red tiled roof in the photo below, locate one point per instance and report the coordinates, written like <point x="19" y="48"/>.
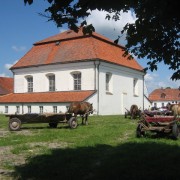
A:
<point x="74" y="47"/>
<point x="6" y="85"/>
<point x="46" y="97"/>
<point x="67" y="35"/>
<point x="167" y="94"/>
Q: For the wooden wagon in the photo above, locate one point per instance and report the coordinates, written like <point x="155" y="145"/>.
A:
<point x="159" y="124"/>
<point x="16" y="120"/>
<point x="127" y="113"/>
<point x="131" y="114"/>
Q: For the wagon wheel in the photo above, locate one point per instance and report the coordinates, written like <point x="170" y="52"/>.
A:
<point x="72" y="122"/>
<point x="53" y="125"/>
<point x="139" y="132"/>
<point x="175" y="131"/>
<point x="14" y="124"/>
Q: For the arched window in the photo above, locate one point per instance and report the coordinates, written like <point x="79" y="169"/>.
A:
<point x="29" y="79"/>
<point x="52" y="84"/>
<point x="108" y="82"/>
<point x="135" y="87"/>
<point x="76" y="80"/>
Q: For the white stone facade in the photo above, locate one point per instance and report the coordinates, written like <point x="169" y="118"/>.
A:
<point x="125" y="86"/>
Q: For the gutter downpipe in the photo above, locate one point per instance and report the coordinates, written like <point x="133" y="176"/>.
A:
<point x="96" y="81"/>
<point x="22" y="108"/>
<point x="143" y="92"/>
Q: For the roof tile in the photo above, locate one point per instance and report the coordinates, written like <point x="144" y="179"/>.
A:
<point x="46" y="97"/>
<point x="74" y="47"/>
<point x="6" y="85"/>
<point x="167" y="94"/>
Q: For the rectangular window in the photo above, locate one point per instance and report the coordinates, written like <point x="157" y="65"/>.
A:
<point x="6" y="109"/>
<point x="135" y="87"/>
<point x="77" y="81"/>
<point x="52" y="83"/>
<point x="17" y="109"/>
<point x="107" y="81"/>
<point x="30" y="84"/>
<point x="54" y="109"/>
<point x="41" y="109"/>
<point x="109" y="87"/>
<point x="29" y="109"/>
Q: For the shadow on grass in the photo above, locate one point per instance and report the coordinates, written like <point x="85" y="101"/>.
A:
<point x="126" y="161"/>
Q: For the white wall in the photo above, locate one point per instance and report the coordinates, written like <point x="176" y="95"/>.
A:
<point x="47" y="108"/>
<point x="159" y="103"/>
<point x="122" y="95"/>
<point x="63" y="77"/>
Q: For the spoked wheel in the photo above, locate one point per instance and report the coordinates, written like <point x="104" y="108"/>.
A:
<point x="139" y="131"/>
<point x="72" y="122"/>
<point x="14" y="124"/>
<point x="175" y="131"/>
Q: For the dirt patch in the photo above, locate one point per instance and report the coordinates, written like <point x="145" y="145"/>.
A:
<point x="23" y="132"/>
<point x="3" y="133"/>
<point x="8" y="159"/>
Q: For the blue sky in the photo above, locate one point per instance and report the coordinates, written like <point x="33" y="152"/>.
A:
<point x="21" y="26"/>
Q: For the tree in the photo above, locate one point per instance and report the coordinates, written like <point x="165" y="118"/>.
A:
<point x="154" y="35"/>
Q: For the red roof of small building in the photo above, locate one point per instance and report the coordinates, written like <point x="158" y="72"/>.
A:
<point x="47" y="97"/>
<point x="6" y="85"/>
<point x="167" y="94"/>
<point x="69" y="46"/>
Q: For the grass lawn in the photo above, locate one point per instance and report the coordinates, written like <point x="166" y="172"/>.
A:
<point x="107" y="148"/>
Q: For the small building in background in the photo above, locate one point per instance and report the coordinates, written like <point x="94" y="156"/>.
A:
<point x="6" y="85"/>
<point x="161" y="97"/>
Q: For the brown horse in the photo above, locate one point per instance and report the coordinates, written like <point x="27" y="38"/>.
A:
<point x="81" y="108"/>
<point x="134" y="111"/>
<point x="174" y="108"/>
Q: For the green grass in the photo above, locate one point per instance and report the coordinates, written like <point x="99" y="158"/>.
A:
<point x="105" y="149"/>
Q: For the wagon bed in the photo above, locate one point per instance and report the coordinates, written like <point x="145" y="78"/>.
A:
<point x="159" y="118"/>
<point x="159" y="124"/>
<point x="16" y="120"/>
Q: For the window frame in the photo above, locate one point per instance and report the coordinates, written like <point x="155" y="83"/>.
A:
<point x="77" y="80"/>
<point x="54" y="109"/>
<point x="108" y="83"/>
<point x="135" y="87"/>
<point x="29" y="109"/>
<point x="6" y="109"/>
<point x="163" y="95"/>
<point x="41" y="109"/>
<point x="30" y="83"/>
<point x="17" y="109"/>
<point x="52" y="82"/>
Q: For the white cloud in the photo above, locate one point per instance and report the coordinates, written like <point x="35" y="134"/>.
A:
<point x="161" y="84"/>
<point x="154" y="81"/>
<point x="148" y="77"/>
<point x="3" y="75"/>
<point x="62" y="29"/>
<point x="18" y="49"/>
<point x="110" y="28"/>
<point x="8" y="66"/>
